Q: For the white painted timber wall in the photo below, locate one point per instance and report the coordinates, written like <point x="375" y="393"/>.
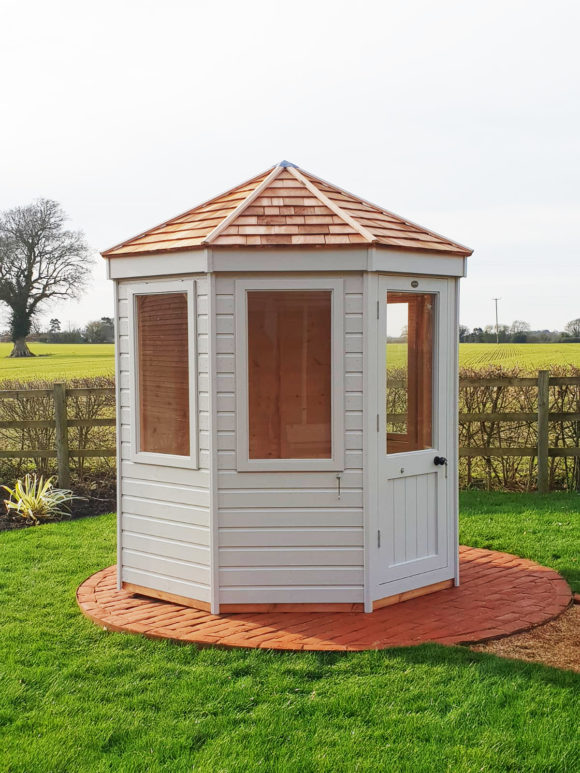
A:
<point x="287" y="536"/>
<point x="164" y="516"/>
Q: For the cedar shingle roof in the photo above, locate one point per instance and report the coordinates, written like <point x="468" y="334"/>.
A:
<point x="285" y="206"/>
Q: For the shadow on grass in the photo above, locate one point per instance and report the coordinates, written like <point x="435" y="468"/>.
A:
<point x="456" y="658"/>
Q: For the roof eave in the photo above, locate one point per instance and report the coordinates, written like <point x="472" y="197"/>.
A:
<point x="464" y="253"/>
<point x="107" y="253"/>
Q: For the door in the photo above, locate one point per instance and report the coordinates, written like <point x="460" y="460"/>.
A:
<point x="415" y="384"/>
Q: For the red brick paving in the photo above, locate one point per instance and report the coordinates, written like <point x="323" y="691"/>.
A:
<point x="500" y="594"/>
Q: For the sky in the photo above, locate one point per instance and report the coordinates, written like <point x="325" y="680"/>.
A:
<point x="461" y="116"/>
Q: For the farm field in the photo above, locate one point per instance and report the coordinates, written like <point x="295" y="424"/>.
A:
<point x="531" y="357"/>
<point x="60" y="361"/>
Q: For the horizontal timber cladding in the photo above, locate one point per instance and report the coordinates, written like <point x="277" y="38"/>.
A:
<point x="164" y="513"/>
<point x="289" y="536"/>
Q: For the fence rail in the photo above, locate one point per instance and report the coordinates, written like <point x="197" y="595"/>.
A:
<point x="543" y="416"/>
<point x="60" y="423"/>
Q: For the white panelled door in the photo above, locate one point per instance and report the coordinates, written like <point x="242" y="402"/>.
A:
<point x="415" y="379"/>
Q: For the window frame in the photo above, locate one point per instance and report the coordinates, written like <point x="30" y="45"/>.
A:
<point x="438" y="287"/>
<point x="404" y="441"/>
<point x="157" y="287"/>
<point x="336" y="461"/>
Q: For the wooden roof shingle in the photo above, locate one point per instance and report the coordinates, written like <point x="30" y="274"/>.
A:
<point x="285" y="206"/>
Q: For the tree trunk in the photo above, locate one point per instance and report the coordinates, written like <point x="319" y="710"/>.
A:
<point x="20" y="349"/>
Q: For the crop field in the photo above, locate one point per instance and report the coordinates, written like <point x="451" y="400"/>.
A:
<point x="58" y="361"/>
<point x="66" y="361"/>
<point x="530" y="357"/>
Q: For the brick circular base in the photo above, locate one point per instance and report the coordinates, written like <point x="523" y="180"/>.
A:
<point x="500" y="594"/>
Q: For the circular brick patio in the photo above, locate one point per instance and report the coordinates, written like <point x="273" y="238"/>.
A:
<point x="500" y="594"/>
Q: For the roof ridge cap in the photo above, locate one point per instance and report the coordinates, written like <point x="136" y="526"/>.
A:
<point x="402" y="219"/>
<point x="189" y="211"/>
<point x="299" y="175"/>
<point x="235" y="213"/>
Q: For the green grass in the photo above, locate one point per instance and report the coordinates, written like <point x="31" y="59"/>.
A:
<point x="543" y="528"/>
<point x="527" y="356"/>
<point x="58" y="361"/>
<point x="75" y="698"/>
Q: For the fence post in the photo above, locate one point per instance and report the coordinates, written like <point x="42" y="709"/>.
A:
<point x="543" y="414"/>
<point x="60" y="418"/>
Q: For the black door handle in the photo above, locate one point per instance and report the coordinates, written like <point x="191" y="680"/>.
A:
<point x="439" y="460"/>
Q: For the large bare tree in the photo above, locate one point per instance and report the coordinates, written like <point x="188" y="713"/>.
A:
<point x="40" y="260"/>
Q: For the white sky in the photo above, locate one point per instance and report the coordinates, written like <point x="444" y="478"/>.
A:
<point x="462" y="116"/>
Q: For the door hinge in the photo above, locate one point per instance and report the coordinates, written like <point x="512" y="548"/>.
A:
<point x="378" y="538"/>
<point x="377" y="422"/>
<point x="378" y="310"/>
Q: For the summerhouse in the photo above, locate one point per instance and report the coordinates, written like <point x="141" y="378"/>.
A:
<point x="287" y="402"/>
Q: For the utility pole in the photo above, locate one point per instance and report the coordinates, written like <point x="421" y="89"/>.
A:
<point x="496" y="320"/>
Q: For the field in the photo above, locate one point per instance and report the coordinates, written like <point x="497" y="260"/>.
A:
<point x="531" y="357"/>
<point x="527" y="356"/>
<point x="58" y="361"/>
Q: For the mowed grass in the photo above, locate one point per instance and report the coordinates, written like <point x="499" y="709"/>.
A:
<point x="544" y="528"/>
<point x="75" y="698"/>
<point x="58" y="361"/>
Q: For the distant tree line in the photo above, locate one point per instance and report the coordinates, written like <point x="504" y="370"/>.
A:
<point x="99" y="331"/>
<point x="520" y="332"/>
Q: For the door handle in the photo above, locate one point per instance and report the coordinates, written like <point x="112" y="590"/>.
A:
<point x="441" y="460"/>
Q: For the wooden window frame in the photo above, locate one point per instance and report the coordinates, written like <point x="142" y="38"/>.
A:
<point x="187" y="286"/>
<point x="336" y="461"/>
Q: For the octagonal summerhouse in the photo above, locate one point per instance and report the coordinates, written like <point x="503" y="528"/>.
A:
<point x="286" y="361"/>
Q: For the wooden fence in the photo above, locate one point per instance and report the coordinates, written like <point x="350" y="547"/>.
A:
<point x="543" y="416"/>
<point x="61" y="423"/>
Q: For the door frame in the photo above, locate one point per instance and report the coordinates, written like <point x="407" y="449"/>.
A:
<point x="375" y="430"/>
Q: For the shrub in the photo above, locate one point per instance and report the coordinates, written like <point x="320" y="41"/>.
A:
<point x="36" y="499"/>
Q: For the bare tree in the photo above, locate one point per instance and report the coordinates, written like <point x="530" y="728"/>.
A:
<point x="573" y="328"/>
<point x="39" y="260"/>
<point x="520" y="326"/>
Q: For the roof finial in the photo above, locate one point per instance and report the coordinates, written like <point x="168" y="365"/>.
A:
<point x="287" y="163"/>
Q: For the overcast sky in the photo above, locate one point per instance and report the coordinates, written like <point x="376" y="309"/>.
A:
<point x="461" y="116"/>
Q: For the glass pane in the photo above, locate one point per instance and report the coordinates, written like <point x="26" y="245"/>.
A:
<point x="289" y="374"/>
<point x="409" y="399"/>
<point x="163" y="362"/>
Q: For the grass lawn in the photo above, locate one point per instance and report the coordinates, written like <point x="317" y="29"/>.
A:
<point x="58" y="361"/>
<point x="74" y="698"/>
<point x="543" y="528"/>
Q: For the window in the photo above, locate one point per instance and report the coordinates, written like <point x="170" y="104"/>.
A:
<point x="289" y="374"/>
<point x="164" y="367"/>
<point x="409" y="399"/>
<point x="290" y="339"/>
